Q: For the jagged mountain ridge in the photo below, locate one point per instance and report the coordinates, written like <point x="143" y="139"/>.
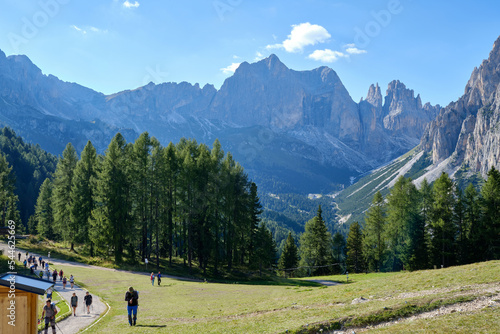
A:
<point x="306" y="118"/>
<point x="467" y="132"/>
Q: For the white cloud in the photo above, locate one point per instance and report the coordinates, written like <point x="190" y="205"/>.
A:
<point x="79" y="29"/>
<point x="258" y="56"/>
<point x="129" y="4"/>
<point x="327" y="55"/>
<point x="89" y="29"/>
<point x="302" y="35"/>
<point x="230" y="69"/>
<point x="355" y="51"/>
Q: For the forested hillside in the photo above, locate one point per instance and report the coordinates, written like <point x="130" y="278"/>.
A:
<point x="30" y="167"/>
<point x="140" y="199"/>
<point x="437" y="225"/>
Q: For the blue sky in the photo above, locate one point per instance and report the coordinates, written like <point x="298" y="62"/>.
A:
<point x="113" y="45"/>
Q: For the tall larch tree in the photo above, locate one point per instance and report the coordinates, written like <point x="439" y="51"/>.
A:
<point x="61" y="201"/>
<point x="110" y="223"/>
<point x="489" y="229"/>
<point x="355" y="260"/>
<point x="374" y="232"/>
<point x="315" y="245"/>
<point x="82" y="196"/>
<point x="43" y="211"/>
<point x="443" y="230"/>
<point x="289" y="258"/>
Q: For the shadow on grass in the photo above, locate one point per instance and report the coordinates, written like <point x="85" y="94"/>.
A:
<point x="152" y="326"/>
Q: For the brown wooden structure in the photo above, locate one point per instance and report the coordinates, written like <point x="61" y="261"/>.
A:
<point x="19" y="303"/>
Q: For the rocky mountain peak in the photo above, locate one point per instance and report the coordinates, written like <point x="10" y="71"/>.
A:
<point x="467" y="129"/>
<point x="374" y="96"/>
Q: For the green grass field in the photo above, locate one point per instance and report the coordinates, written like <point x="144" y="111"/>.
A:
<point x="197" y="307"/>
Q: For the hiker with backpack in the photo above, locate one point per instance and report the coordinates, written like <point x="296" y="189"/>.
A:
<point x="88" y="301"/>
<point x="74" y="303"/>
<point x="131" y="297"/>
<point x="49" y="313"/>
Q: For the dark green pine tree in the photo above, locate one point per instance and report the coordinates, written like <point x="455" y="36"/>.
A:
<point x="355" y="259"/>
<point x="289" y="257"/>
<point x="169" y="197"/>
<point x="110" y="222"/>
<point x="255" y="210"/>
<point x="339" y="252"/>
<point x="373" y="234"/>
<point x="82" y="196"/>
<point x="265" y="248"/>
<point x="489" y="229"/>
<point x="460" y="227"/>
<point x="315" y="246"/>
<point x="472" y="218"/>
<point x="443" y="230"/>
<point x="8" y="200"/>
<point x="61" y="192"/>
<point x="43" y="211"/>
<point x="217" y="186"/>
<point x="141" y="181"/>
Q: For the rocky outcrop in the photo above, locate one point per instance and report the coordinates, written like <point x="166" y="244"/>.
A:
<point x="404" y="113"/>
<point x="468" y="130"/>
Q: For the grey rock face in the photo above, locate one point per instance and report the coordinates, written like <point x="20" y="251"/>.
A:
<point x="468" y="128"/>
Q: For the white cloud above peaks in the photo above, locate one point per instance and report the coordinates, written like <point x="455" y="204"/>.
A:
<point x="327" y="55"/>
<point x="353" y="50"/>
<point x="230" y="69"/>
<point x="128" y="4"/>
<point x="302" y="35"/>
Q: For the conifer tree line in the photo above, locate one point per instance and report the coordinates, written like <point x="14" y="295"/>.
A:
<point x="434" y="226"/>
<point x="141" y="199"/>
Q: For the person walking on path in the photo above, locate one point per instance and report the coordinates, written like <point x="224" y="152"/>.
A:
<point x="54" y="276"/>
<point x="48" y="274"/>
<point x="71" y="281"/>
<point x="49" y="313"/>
<point x="49" y="293"/>
<point x="74" y="303"/>
<point x="152" y="277"/>
<point x="158" y="278"/>
<point x="64" y="282"/>
<point x="131" y="297"/>
<point x="19" y="256"/>
<point x="88" y="301"/>
<point x="60" y="275"/>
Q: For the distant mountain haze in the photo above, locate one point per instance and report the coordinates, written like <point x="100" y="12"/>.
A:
<point x="298" y="131"/>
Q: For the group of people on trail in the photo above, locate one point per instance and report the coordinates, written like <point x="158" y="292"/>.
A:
<point x="152" y="278"/>
<point x="87" y="300"/>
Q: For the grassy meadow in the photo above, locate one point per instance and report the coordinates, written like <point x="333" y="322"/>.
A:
<point x="199" y="307"/>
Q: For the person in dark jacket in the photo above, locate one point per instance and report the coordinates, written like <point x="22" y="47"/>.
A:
<point x="131" y="297"/>
<point x="88" y="301"/>
<point x="74" y="303"/>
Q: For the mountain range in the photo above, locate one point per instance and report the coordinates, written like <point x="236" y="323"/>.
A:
<point x="463" y="141"/>
<point x="293" y="131"/>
